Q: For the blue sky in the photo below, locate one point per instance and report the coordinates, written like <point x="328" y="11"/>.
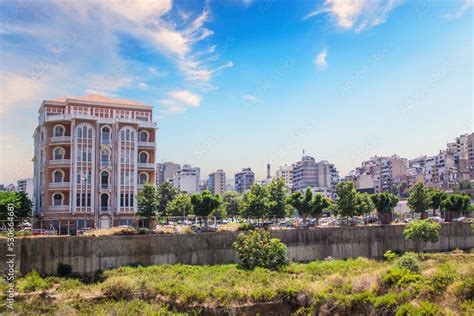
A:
<point x="244" y="83"/>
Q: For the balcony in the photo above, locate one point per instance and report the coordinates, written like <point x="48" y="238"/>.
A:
<point x="105" y="186"/>
<point x="61" y="140"/>
<point x="105" y="141"/>
<point x="105" y="209"/>
<point x="142" y="165"/>
<point x="58" y="208"/>
<point x="105" y="164"/>
<point x="146" y="144"/>
<point x="68" y="117"/>
<point x="59" y="185"/>
<point x="60" y="162"/>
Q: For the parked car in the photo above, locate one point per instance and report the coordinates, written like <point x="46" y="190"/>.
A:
<point x="460" y="219"/>
<point x="39" y="231"/>
<point x="436" y="219"/>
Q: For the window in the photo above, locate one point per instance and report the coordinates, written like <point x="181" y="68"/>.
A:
<point x="143" y="157"/>
<point x="104" y="178"/>
<point x="105" y="135"/>
<point x="104" y="200"/>
<point x="105" y="155"/>
<point x="143" y="136"/>
<point x="58" y="153"/>
<point x="126" y="200"/>
<point x="143" y="178"/>
<point x="83" y="200"/>
<point x="58" y="176"/>
<point x="58" y="131"/>
<point x="58" y="199"/>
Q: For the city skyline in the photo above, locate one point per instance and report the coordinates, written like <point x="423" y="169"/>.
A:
<point x="342" y="83"/>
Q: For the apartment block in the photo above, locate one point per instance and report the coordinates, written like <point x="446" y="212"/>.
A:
<point x="321" y="177"/>
<point x="187" y="179"/>
<point x="25" y="185"/>
<point x="165" y="172"/>
<point x="244" y="180"/>
<point x="285" y="173"/>
<point x="92" y="154"/>
<point x="216" y="182"/>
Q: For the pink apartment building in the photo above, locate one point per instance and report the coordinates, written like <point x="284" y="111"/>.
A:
<point x="92" y="156"/>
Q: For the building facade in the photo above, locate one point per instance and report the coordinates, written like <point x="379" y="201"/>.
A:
<point x="322" y="177"/>
<point x="25" y="185"/>
<point x="244" y="180"/>
<point x="285" y="173"/>
<point x="187" y="179"/>
<point x="92" y="155"/>
<point x="216" y="182"/>
<point x="165" y="172"/>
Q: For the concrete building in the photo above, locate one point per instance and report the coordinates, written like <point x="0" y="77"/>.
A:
<point x="320" y="176"/>
<point x="7" y="188"/>
<point x="285" y="173"/>
<point x="187" y="179"/>
<point x="385" y="171"/>
<point x="365" y="183"/>
<point x="26" y="185"/>
<point x="92" y="154"/>
<point x="165" y="172"/>
<point x="216" y="182"/>
<point x="244" y="180"/>
<point x="470" y="156"/>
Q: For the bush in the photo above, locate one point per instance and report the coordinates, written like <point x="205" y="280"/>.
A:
<point x="424" y="309"/>
<point x="257" y="249"/>
<point x="245" y="227"/>
<point x="409" y="262"/>
<point x="386" y="304"/>
<point x="32" y="282"/>
<point x="400" y="277"/>
<point x="389" y="255"/>
<point x="64" y="270"/>
<point x="464" y="290"/>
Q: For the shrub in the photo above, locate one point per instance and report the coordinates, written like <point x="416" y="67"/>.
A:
<point x="422" y="231"/>
<point x="386" y="304"/>
<point x="257" y="249"/>
<point x="32" y="282"/>
<point x="245" y="227"/>
<point x="400" y="277"/>
<point x="464" y="289"/>
<point x="119" y="288"/>
<point x="389" y="255"/>
<point x="409" y="262"/>
<point x="423" y="309"/>
<point x="64" y="270"/>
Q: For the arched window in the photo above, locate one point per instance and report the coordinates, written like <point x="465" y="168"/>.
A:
<point x="105" y="134"/>
<point x="104" y="200"/>
<point x="143" y="178"/>
<point x="143" y="136"/>
<point x="143" y="157"/>
<point x="58" y="153"/>
<point x="58" y="199"/>
<point x="59" y="131"/>
<point x="84" y="131"/>
<point x="105" y="155"/>
<point x="58" y="176"/>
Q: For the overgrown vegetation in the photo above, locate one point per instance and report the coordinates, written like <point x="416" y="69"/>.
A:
<point x="443" y="285"/>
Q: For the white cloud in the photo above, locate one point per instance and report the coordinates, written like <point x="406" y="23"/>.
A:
<point x="179" y="100"/>
<point x="143" y="86"/>
<point x="251" y="99"/>
<point x="321" y="59"/>
<point x="466" y="6"/>
<point x="357" y="14"/>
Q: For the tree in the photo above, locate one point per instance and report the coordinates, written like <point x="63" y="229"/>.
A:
<point x="204" y="204"/>
<point x="180" y="206"/>
<point x="465" y="185"/>
<point x="166" y="192"/>
<point x="394" y="189"/>
<point x="364" y="204"/>
<point x="419" y="199"/>
<point x="422" y="231"/>
<point x="276" y="192"/>
<point x="147" y="201"/>
<point x="232" y="203"/>
<point x="255" y="202"/>
<point x="384" y="203"/>
<point x="455" y="204"/>
<point x="345" y="204"/>
<point x="19" y="200"/>
<point x="308" y="204"/>
<point x="403" y="188"/>
<point x="436" y="197"/>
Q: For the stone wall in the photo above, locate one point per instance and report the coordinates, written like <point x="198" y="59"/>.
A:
<point x="86" y="255"/>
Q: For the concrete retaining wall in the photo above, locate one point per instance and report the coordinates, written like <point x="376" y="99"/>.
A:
<point x="86" y="255"/>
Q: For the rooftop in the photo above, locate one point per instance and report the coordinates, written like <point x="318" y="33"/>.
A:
<point x="97" y="99"/>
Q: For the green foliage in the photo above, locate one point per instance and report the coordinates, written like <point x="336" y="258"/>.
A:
<point x="308" y="204"/>
<point x="464" y="289"/>
<point x="32" y="282"/>
<point x="419" y="199"/>
<point x="19" y="200"/>
<point x="422" y="230"/>
<point x="400" y="277"/>
<point x="255" y="202"/>
<point x="245" y="227"/>
<point x="257" y="249"/>
<point x="147" y="202"/>
<point x="232" y="202"/>
<point x="436" y="198"/>
<point x="204" y="204"/>
<point x="165" y="193"/>
<point x="422" y="309"/>
<point x="384" y="202"/>
<point x="386" y="304"/>
<point x="458" y="203"/>
<point x="276" y="192"/>
<point x="180" y="206"/>
<point x="408" y="261"/>
<point x="364" y="204"/>
<point x="346" y="202"/>
<point x="389" y="255"/>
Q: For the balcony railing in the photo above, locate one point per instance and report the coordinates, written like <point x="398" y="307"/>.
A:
<point x="146" y="144"/>
<point x="59" y="185"/>
<point x="67" y="117"/>
<point x="61" y="139"/>
<point x="106" y="186"/>
<point x="58" y="208"/>
<point x="142" y="165"/>
<point x="60" y="162"/>
<point x="105" y="209"/>
<point x="105" y="164"/>
<point x="105" y="141"/>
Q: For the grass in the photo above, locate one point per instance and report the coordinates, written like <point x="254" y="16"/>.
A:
<point x="443" y="285"/>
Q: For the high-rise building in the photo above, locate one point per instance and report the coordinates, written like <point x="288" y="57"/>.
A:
<point x="470" y="155"/>
<point x="25" y="185"/>
<point x="165" y="172"/>
<point x="92" y="155"/>
<point x="385" y="171"/>
<point x="216" y="182"/>
<point x="285" y="173"/>
<point x="187" y="179"/>
<point x="244" y="180"/>
<point x="320" y="176"/>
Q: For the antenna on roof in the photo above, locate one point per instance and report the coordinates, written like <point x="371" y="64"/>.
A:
<point x="303" y="152"/>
